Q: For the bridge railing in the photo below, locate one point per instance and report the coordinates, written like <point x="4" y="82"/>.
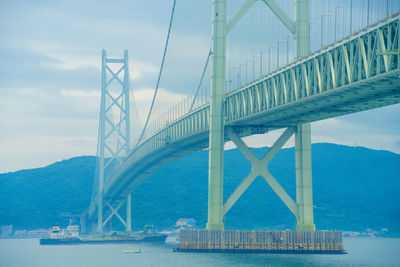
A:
<point x="175" y="113"/>
<point x="362" y="55"/>
<point x="192" y="123"/>
<point x="365" y="55"/>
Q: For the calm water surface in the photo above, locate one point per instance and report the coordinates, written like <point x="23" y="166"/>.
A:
<point x="27" y="252"/>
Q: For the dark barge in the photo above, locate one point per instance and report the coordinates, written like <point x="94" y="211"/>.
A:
<point x="149" y="238"/>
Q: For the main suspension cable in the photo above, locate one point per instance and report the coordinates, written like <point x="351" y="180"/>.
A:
<point x="159" y="75"/>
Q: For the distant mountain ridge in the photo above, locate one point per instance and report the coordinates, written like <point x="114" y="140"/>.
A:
<point x="354" y="188"/>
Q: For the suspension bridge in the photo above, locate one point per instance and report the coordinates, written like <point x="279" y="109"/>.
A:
<point x="356" y="72"/>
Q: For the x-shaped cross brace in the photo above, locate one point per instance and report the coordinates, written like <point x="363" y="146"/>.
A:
<point x="114" y="211"/>
<point x="260" y="168"/>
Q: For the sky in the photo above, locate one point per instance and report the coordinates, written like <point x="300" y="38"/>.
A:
<point x="51" y="72"/>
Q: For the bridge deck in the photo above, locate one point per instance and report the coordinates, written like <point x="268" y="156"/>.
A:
<point x="356" y="74"/>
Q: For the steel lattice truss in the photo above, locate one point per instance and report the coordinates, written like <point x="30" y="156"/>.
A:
<point x="357" y="73"/>
<point x="114" y="122"/>
<point x="365" y="56"/>
<point x="120" y="102"/>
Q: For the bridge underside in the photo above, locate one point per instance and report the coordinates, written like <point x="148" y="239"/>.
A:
<point x="136" y="172"/>
<point x="373" y="93"/>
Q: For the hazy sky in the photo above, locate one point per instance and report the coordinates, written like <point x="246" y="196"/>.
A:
<point x="50" y="75"/>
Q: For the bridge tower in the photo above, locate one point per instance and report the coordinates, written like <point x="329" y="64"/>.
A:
<point x="302" y="208"/>
<point x="114" y="134"/>
<point x="216" y="152"/>
<point x="304" y="199"/>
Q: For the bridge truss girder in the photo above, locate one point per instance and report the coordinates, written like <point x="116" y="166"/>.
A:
<point x="353" y="69"/>
<point x="324" y="85"/>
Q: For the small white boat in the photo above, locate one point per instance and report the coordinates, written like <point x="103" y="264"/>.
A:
<point x="131" y="250"/>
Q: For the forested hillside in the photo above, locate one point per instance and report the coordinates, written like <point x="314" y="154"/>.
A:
<point x="354" y="188"/>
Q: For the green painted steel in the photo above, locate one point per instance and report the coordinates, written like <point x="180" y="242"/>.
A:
<point x="304" y="198"/>
<point x="128" y="202"/>
<point x="216" y="151"/>
<point x="349" y="76"/>
<point x="116" y="130"/>
<point x="260" y="168"/>
<point x="292" y="27"/>
<point x="216" y="147"/>
<point x="338" y="70"/>
<point x="239" y="15"/>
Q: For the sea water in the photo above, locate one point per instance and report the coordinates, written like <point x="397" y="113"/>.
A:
<point x="28" y="252"/>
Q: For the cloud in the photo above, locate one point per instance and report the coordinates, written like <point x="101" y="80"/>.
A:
<point x="140" y="69"/>
<point x="42" y="150"/>
<point x="24" y="68"/>
<point x="80" y="93"/>
<point x="38" y="127"/>
<point x="397" y="144"/>
<point x="339" y="131"/>
<point x="354" y="134"/>
<point x="51" y="73"/>
<point x="146" y="94"/>
<point x="72" y="62"/>
<point x="262" y="140"/>
<point x="164" y="102"/>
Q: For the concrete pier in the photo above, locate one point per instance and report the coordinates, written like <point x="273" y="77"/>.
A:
<point x="309" y="242"/>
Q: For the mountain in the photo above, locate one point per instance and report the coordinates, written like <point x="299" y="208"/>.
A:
<point x="36" y="198"/>
<point x="354" y="188"/>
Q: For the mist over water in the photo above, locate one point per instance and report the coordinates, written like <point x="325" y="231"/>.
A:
<point x="27" y="252"/>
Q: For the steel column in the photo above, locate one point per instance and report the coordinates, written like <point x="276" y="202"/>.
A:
<point x="305" y="220"/>
<point x="216" y="145"/>
<point x="128" y="200"/>
<point x="304" y="199"/>
<point x="302" y="22"/>
<point x="101" y="142"/>
<point x="129" y="213"/>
